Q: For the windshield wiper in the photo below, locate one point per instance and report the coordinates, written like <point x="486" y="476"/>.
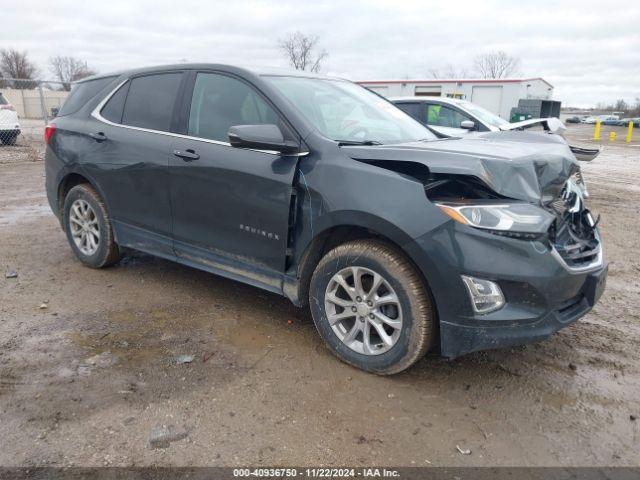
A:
<point x="358" y="142"/>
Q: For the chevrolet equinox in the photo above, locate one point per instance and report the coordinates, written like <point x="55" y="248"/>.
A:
<point x="322" y="191"/>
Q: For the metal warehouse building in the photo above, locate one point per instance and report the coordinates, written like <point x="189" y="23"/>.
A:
<point x="498" y="96"/>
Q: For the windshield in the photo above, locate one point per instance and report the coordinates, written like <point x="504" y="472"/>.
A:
<point x="346" y="112"/>
<point x="483" y="114"/>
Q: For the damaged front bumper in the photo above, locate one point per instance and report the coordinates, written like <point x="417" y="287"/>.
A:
<point x="543" y="293"/>
<point x="460" y="338"/>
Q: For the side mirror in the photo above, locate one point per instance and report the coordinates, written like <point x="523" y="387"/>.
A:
<point x="260" y="137"/>
<point x="467" y="124"/>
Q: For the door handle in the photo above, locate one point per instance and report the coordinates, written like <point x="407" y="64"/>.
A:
<point x="98" y="136"/>
<point x="187" y="155"/>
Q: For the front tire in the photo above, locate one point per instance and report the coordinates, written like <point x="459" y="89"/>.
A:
<point x="88" y="227"/>
<point x="371" y="307"/>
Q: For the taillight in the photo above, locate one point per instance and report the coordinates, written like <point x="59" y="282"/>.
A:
<point x="8" y="106"/>
<point x="49" y="130"/>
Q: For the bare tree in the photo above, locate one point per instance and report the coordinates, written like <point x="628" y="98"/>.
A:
<point x="621" y="105"/>
<point x="16" y="64"/>
<point x="449" y="71"/>
<point x="69" y="69"/>
<point x="301" y="51"/>
<point x="496" y="65"/>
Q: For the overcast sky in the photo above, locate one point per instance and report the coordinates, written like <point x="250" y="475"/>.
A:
<point x="590" y="51"/>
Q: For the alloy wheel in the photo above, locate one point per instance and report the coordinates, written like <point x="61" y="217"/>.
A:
<point x="363" y="310"/>
<point x="85" y="229"/>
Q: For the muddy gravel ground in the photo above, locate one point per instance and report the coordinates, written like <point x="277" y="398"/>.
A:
<point x="89" y="371"/>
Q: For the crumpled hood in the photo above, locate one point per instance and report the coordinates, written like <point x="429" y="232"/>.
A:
<point x="534" y="170"/>
<point x="552" y="125"/>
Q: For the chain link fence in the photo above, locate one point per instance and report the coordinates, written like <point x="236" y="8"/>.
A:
<point x="25" y="107"/>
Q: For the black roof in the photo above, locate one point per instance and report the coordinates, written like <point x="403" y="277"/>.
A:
<point x="209" y="66"/>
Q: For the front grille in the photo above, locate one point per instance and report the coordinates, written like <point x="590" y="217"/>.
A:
<point x="573" y="233"/>
<point x="578" y="254"/>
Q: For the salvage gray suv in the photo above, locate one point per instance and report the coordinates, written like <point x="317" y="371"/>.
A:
<point x="321" y="191"/>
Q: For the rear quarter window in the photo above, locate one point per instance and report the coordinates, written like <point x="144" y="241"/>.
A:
<point x="114" y="107"/>
<point x="3" y="101"/>
<point x="81" y="93"/>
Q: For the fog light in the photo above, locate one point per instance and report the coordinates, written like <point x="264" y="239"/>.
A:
<point x="486" y="296"/>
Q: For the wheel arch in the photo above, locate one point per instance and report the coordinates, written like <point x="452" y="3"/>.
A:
<point x="341" y="229"/>
<point x="72" y="179"/>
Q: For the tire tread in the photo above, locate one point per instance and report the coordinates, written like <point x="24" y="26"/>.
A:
<point x="422" y="306"/>
<point x="113" y="254"/>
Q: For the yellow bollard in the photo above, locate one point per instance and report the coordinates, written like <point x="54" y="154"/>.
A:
<point x="612" y="136"/>
<point x="629" y="132"/>
<point x="596" y="134"/>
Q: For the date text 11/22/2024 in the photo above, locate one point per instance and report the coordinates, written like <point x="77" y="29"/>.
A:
<point x="316" y="472"/>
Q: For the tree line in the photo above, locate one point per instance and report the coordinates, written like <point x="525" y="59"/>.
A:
<point x="302" y="51"/>
<point x="16" y="64"/>
<point x="620" y="105"/>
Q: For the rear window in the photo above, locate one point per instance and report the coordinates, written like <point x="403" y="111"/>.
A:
<point x="3" y="101"/>
<point x="81" y="93"/>
<point x="150" y="101"/>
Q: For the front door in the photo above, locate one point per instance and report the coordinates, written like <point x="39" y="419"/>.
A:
<point x="230" y="206"/>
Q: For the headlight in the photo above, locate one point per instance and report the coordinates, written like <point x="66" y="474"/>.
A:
<point x="504" y="217"/>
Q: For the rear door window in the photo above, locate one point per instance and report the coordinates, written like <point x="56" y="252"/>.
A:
<point x="81" y="93"/>
<point x="150" y="101"/>
<point x="414" y="110"/>
<point x="220" y="102"/>
<point x="3" y="101"/>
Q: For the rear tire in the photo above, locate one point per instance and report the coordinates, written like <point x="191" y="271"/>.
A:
<point x="382" y="323"/>
<point x="88" y="227"/>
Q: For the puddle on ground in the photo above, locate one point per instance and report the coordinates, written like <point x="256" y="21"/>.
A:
<point x="558" y="400"/>
<point x="16" y="214"/>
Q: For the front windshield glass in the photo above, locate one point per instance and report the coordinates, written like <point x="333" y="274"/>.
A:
<point x="344" y="111"/>
<point x="484" y="115"/>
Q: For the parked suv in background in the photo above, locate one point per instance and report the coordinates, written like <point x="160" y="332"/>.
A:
<point x="321" y="191"/>
<point x="9" y="125"/>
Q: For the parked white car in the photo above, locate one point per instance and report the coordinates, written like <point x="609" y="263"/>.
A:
<point x="455" y="117"/>
<point x="9" y="125"/>
<point x="602" y="118"/>
<point x="451" y="117"/>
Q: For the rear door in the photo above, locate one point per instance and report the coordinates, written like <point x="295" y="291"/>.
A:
<point x="132" y="148"/>
<point x="230" y="205"/>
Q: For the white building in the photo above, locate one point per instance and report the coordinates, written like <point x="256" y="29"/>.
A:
<point x="498" y="96"/>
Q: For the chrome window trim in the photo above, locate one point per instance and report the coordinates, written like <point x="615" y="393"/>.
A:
<point x="96" y="114"/>
<point x="596" y="264"/>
